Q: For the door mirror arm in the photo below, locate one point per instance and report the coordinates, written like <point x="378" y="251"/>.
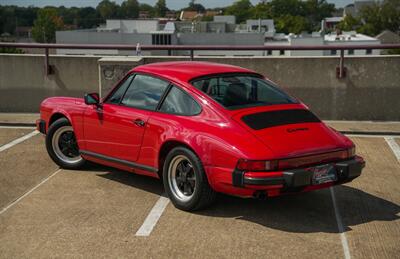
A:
<point x="93" y="99"/>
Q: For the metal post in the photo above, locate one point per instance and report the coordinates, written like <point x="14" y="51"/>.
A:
<point x="46" y="62"/>
<point x="191" y="54"/>
<point x="341" y="71"/>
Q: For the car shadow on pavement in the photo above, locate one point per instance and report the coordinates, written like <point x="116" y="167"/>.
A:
<point x="299" y="213"/>
<point x="308" y="212"/>
<point x="145" y="183"/>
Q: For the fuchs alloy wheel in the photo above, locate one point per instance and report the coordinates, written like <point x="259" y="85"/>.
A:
<point x="62" y="146"/>
<point x="185" y="180"/>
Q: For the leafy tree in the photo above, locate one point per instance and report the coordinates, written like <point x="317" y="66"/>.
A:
<point x="390" y="13"/>
<point x="69" y="15"/>
<point x="349" y="23"/>
<point x="262" y="11"/>
<point x="161" y="8"/>
<point x="292" y="24"/>
<point x="46" y="25"/>
<point x="380" y="16"/>
<point x="129" y="9"/>
<point x="147" y="8"/>
<point x="316" y="10"/>
<point x="107" y="9"/>
<point x="195" y="7"/>
<point x="241" y="9"/>
<point x="88" y="17"/>
<point x="11" y="50"/>
<point x="287" y="7"/>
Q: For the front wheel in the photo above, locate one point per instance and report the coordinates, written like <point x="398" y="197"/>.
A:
<point x="185" y="180"/>
<point x="62" y="146"/>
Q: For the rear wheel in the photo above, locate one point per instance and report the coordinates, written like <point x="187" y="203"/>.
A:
<point x="62" y="146"/>
<point x="185" y="180"/>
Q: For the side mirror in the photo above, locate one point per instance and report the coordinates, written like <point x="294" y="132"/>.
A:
<point x="92" y="99"/>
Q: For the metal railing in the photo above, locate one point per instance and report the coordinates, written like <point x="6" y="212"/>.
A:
<point x="340" y="70"/>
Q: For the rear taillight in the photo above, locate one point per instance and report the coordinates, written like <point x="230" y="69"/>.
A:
<point x="351" y="152"/>
<point x="257" y="165"/>
<point x="295" y="162"/>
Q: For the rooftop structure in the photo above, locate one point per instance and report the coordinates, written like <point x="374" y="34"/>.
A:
<point x="221" y="31"/>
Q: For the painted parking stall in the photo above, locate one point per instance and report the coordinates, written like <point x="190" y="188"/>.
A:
<point x="100" y="211"/>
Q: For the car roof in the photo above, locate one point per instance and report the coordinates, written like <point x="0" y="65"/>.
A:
<point x="188" y="70"/>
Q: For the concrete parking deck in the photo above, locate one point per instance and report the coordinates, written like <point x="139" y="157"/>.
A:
<point x="376" y="127"/>
<point x="95" y="212"/>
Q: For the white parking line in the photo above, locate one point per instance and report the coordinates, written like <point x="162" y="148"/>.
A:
<point x="18" y="140"/>
<point x="394" y="146"/>
<point x="370" y="136"/>
<point x="17" y="127"/>
<point x="153" y="217"/>
<point x="28" y="192"/>
<point x="339" y="222"/>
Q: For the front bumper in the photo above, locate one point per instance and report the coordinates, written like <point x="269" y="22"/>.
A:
<point x="297" y="179"/>
<point x="41" y="126"/>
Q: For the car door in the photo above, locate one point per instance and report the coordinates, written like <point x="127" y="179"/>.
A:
<point x="115" y="130"/>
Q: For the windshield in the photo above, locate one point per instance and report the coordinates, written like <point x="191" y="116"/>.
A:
<point x="235" y="91"/>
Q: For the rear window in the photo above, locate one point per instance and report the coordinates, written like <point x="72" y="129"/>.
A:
<point x="236" y="91"/>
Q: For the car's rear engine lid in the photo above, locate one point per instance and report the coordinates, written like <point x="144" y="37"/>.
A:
<point x="290" y="132"/>
<point x="267" y="119"/>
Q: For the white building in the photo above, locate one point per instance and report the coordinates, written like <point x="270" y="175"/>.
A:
<point x="345" y="39"/>
<point x="162" y="32"/>
<point x="130" y="26"/>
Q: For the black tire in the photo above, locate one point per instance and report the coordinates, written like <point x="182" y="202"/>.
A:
<point x="53" y="132"/>
<point x="202" y="196"/>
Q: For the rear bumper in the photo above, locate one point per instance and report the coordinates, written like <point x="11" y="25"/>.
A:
<point x="41" y="126"/>
<point x="297" y="179"/>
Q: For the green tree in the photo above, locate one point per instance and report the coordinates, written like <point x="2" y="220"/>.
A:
<point x="129" y="9"/>
<point x="261" y="11"/>
<point x="380" y="16"/>
<point x="316" y="10"/>
<point x="107" y="9"/>
<point x="242" y="9"/>
<point x="390" y="12"/>
<point x="349" y="23"/>
<point x="287" y="7"/>
<point x="193" y="6"/>
<point x="292" y="24"/>
<point x="147" y="8"/>
<point x="46" y="25"/>
<point x="88" y="17"/>
<point x="161" y="8"/>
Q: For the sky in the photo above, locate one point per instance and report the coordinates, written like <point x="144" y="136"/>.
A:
<point x="172" y="4"/>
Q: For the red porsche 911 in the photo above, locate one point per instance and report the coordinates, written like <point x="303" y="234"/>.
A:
<point x="202" y="128"/>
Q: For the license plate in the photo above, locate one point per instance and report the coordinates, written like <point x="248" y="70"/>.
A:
<point x="323" y="174"/>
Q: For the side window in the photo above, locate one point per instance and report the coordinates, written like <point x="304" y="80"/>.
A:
<point x="117" y="95"/>
<point x="179" y="102"/>
<point x="145" y="92"/>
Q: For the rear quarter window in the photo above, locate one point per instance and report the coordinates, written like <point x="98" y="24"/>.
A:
<point x="179" y="102"/>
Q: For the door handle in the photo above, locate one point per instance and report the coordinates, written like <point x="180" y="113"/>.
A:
<point x="139" y="122"/>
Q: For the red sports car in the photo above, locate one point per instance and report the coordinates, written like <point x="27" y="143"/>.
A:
<point x="202" y="128"/>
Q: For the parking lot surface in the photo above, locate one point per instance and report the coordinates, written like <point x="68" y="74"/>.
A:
<point x="96" y="212"/>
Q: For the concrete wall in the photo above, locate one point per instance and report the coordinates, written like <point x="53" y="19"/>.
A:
<point x="23" y="83"/>
<point x="371" y="90"/>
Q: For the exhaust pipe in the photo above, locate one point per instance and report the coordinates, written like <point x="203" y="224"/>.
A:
<point x="260" y="195"/>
